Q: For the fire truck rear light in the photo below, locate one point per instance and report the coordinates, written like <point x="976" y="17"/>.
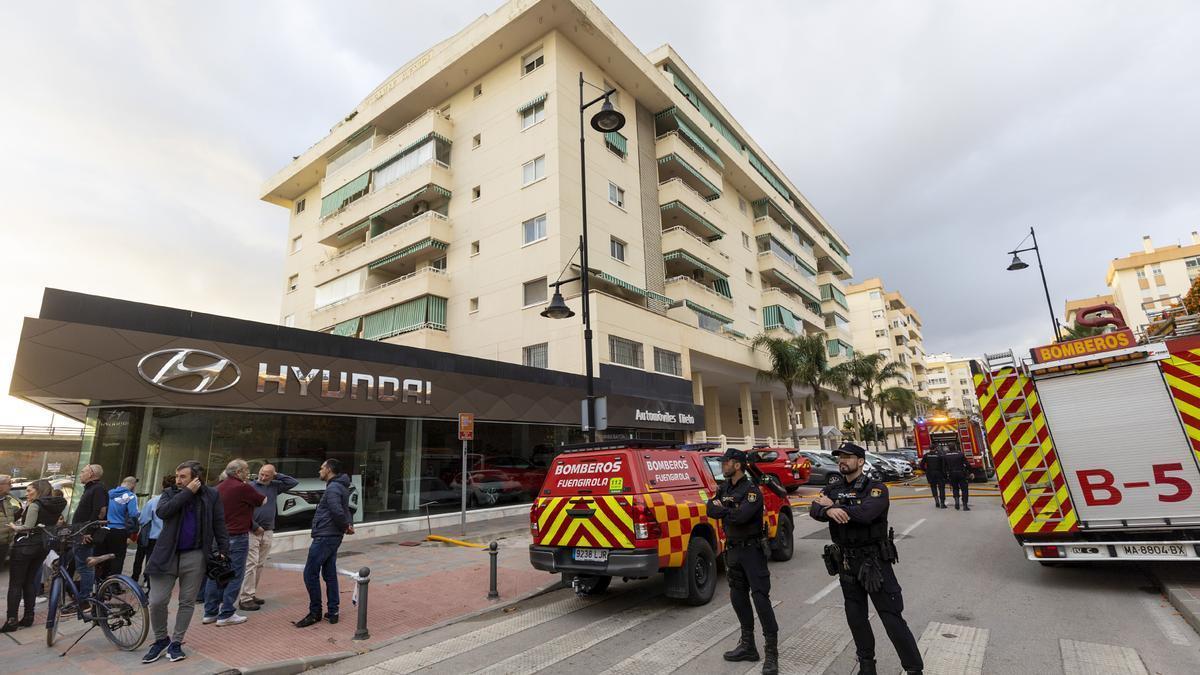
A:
<point x="644" y="524"/>
<point x="1049" y="552"/>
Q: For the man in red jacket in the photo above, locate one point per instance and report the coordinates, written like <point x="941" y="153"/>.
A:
<point x="239" y="499"/>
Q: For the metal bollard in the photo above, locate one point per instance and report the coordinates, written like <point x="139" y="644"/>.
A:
<point x="494" y="553"/>
<point x="361" y="633"/>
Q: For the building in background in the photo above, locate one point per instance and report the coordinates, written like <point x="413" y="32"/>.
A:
<point x="1152" y="279"/>
<point x="439" y="210"/>
<point x="950" y="385"/>
<point x="1072" y="307"/>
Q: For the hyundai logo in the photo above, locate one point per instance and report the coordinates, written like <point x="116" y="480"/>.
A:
<point x="189" y="371"/>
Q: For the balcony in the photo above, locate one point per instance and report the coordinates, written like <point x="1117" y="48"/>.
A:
<point x="428" y="225"/>
<point x="407" y="191"/>
<point x="800" y="247"/>
<point x="797" y="305"/>
<point x="681" y="206"/>
<point x="698" y="294"/>
<point x="779" y="272"/>
<point x="432" y="122"/>
<point x="680" y="238"/>
<point x="423" y="281"/>
<point x="678" y="159"/>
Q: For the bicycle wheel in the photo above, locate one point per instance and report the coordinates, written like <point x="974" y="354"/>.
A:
<point x="53" y="603"/>
<point x="121" y="614"/>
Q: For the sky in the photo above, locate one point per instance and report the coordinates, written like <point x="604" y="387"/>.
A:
<point x="930" y="135"/>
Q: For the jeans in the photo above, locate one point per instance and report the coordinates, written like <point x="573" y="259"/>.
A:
<point x="260" y="548"/>
<point x="189" y="571"/>
<point x="220" y="602"/>
<point x="87" y="575"/>
<point x="22" y="574"/>
<point x="322" y="563"/>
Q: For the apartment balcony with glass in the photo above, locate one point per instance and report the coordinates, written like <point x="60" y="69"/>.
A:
<point x="837" y="327"/>
<point x="415" y="270"/>
<point x="780" y="267"/>
<point x="833" y="299"/>
<point x="375" y="145"/>
<point x="680" y="238"/>
<point x="839" y="351"/>
<point x="698" y="283"/>
<point x="804" y="310"/>
<point x="385" y="234"/>
<point x="681" y="206"/>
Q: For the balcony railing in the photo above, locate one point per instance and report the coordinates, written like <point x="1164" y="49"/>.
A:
<point x="698" y="284"/>
<point x="428" y="215"/>
<point x="683" y="230"/>
<point x="375" y="289"/>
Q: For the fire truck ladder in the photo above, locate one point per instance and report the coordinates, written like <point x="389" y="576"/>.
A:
<point x="1006" y="372"/>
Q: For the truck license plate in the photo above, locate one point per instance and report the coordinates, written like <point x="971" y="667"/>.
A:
<point x="1152" y="550"/>
<point x="591" y="555"/>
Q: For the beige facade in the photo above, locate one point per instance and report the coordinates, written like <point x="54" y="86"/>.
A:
<point x="950" y="385"/>
<point x="438" y="211"/>
<point x="1071" y="307"/>
<point x="1150" y="280"/>
<point x="883" y="322"/>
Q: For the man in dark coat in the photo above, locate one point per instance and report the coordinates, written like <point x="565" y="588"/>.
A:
<point x="331" y="520"/>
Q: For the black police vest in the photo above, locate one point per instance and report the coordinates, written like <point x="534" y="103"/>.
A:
<point x="852" y="533"/>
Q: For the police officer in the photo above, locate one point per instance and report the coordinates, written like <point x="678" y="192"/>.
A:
<point x="862" y="554"/>
<point x="739" y="506"/>
<point x="959" y="474"/>
<point x="934" y="466"/>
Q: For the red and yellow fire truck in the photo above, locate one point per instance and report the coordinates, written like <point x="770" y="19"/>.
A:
<point x="1096" y="444"/>
<point x="953" y="432"/>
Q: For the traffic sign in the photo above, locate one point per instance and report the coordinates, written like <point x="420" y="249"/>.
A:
<point x="466" y="426"/>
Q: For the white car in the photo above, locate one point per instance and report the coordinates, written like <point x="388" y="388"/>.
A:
<point x="296" y="506"/>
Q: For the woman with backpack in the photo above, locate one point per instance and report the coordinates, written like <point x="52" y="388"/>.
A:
<point x="29" y="549"/>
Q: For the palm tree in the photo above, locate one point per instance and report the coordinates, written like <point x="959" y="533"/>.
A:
<point x="899" y="403"/>
<point x="1076" y="331"/>
<point x="801" y="362"/>
<point x="873" y="371"/>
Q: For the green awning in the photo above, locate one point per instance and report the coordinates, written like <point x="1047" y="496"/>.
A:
<point x="767" y="207"/>
<point x="701" y="309"/>
<point x="787" y="252"/>
<point x="433" y="135"/>
<point x="427" y="242"/>
<point x="702" y="144"/>
<point x="353" y="229"/>
<point x="789" y="319"/>
<point x="411" y="197"/>
<point x="425" y="311"/>
<point x="348" y="328"/>
<point x="345" y="194"/>
<point x="722" y="286"/>
<point x="771" y="177"/>
<point x="795" y="286"/>
<point x="830" y="292"/>
<point x="615" y="140"/>
<point x="707" y="113"/>
<point x="714" y="232"/>
<point x="713" y="190"/>
<point x="532" y="103"/>
<point x="776" y="316"/>
<point x="604" y="276"/>
<point x="680" y="254"/>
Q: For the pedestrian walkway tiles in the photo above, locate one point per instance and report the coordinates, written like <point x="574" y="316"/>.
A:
<point x="1090" y="658"/>
<point x="949" y="649"/>
<point x="810" y="650"/>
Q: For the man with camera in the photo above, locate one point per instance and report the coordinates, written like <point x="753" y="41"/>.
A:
<point x="192" y="544"/>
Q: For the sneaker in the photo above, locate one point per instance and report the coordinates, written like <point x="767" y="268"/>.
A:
<point x="209" y="619"/>
<point x="233" y="620"/>
<point x="248" y="606"/>
<point x="308" y="620"/>
<point x="258" y="601"/>
<point x="175" y="652"/>
<point x="156" y="650"/>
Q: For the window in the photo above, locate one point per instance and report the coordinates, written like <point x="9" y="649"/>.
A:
<point x="340" y="288"/>
<point x="625" y="352"/>
<point x="476" y="141"/>
<point x="1193" y="268"/>
<point x="532" y="61"/>
<point x="881" y="332"/>
<point x="532" y="115"/>
<point x="534" y="355"/>
<point x="875" y="295"/>
<point x="616" y="195"/>
<point x="478" y="91"/>
<point x="616" y="248"/>
<point x="438" y="263"/>
<point x="475" y="192"/>
<point x="877" y="314"/>
<point x="534" y="170"/>
<point x="1157" y="269"/>
<point x="290" y="321"/>
<point x="750" y="277"/>
<point x="714" y="467"/>
<point x="533" y="229"/>
<point x="708" y="323"/>
<point x="475" y="248"/>
<point x="741" y="205"/>
<point x="535" y="292"/>
<point x="293" y="282"/>
<point x="753" y="415"/>
<point x="300" y="206"/>
<point x="1141" y="273"/>
<point x="745" y="241"/>
<point x="297" y="243"/>
<point x="473" y="305"/>
<point x="667" y="362"/>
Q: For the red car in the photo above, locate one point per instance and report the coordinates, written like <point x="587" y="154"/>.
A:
<point x="525" y="472"/>
<point x="786" y="464"/>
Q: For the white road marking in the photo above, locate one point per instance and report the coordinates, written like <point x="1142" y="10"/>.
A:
<point x="823" y="592"/>
<point x="448" y="649"/>
<point x="810" y="650"/>
<point x="1172" y="626"/>
<point x="1091" y="658"/>
<point x="681" y="646"/>
<point x="565" y="646"/>
<point x="953" y="650"/>
<point x="908" y="530"/>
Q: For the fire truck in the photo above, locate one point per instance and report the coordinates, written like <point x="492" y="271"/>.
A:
<point x="1096" y="442"/>
<point x="953" y="432"/>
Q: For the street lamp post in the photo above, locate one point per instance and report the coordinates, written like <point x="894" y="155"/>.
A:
<point x="1018" y="264"/>
<point x="607" y="119"/>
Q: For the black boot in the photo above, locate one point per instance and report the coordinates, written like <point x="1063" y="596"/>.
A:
<point x="745" y="649"/>
<point x="866" y="667"/>
<point x="956" y="505"/>
<point x="26" y="621"/>
<point x="770" y="654"/>
<point x="966" y="507"/>
<point x="10" y="625"/>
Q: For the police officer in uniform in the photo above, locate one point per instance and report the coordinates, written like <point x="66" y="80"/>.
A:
<point x="862" y="555"/>
<point x="959" y="474"/>
<point x="934" y="465"/>
<point x="739" y="506"/>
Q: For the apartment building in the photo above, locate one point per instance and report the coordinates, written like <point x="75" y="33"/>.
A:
<point x="437" y="213"/>
<point x="884" y="322"/>
<point x="1150" y="280"/>
<point x="950" y="384"/>
<point x="1071" y="307"/>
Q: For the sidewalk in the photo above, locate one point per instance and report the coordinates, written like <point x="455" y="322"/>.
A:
<point x="412" y="588"/>
<point x="1180" y="582"/>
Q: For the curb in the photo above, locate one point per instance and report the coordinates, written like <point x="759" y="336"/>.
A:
<point x="291" y="666"/>
<point x="1182" y="600"/>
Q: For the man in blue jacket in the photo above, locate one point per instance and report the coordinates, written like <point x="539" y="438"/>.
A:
<point x="330" y="521"/>
<point x="122" y="517"/>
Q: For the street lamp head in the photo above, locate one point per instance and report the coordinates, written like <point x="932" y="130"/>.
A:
<point x="608" y="119"/>
<point x="557" y="309"/>
<point x="1017" y="263"/>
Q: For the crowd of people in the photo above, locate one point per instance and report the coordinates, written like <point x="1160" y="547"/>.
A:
<point x="211" y="541"/>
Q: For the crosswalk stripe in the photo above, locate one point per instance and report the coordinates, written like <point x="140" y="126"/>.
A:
<point x="811" y="649"/>
<point x="565" y="646"/>
<point x="1092" y="658"/>
<point x="953" y="650"/>
<point x="522" y="620"/>
<point x="681" y="646"/>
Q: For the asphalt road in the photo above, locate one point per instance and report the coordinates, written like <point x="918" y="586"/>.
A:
<point x="981" y="607"/>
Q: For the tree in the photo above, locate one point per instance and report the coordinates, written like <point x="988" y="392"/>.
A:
<point x="899" y="403"/>
<point x="873" y="371"/>
<point x="1077" y="331"/>
<point x="1191" y="301"/>
<point x="801" y="362"/>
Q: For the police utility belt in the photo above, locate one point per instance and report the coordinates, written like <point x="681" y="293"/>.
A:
<point x="862" y="562"/>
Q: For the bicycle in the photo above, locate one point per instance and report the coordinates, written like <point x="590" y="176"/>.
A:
<point x="118" y="607"/>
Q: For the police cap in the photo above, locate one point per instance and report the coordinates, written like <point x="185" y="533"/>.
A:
<point x="734" y="454"/>
<point x="850" y="449"/>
